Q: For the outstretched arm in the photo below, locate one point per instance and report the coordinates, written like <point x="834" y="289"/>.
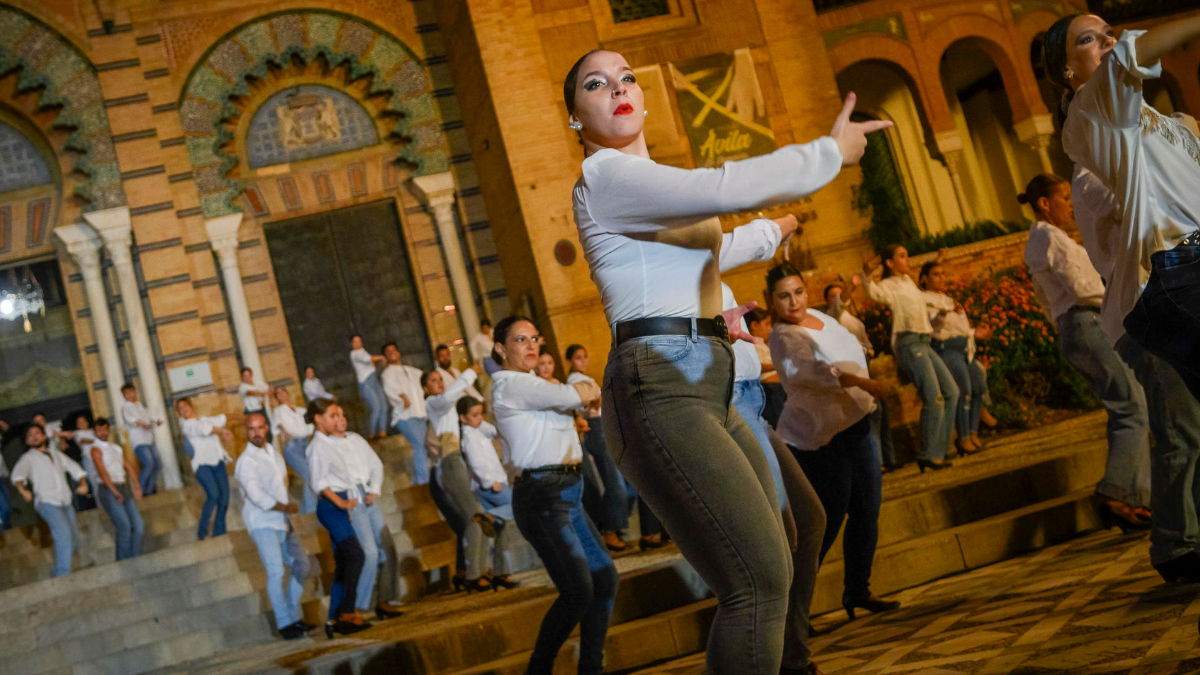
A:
<point x="1163" y="39"/>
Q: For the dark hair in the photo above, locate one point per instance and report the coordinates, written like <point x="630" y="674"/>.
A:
<point x="440" y="348"/>
<point x="317" y="406"/>
<point x="355" y="335"/>
<point x="830" y="287"/>
<point x="570" y="83"/>
<point x="246" y="370"/>
<point x="757" y="315"/>
<point x="465" y="404"/>
<point x="100" y="422"/>
<point x="888" y="253"/>
<point x="252" y="413"/>
<point x="926" y="270"/>
<point x="36" y="414"/>
<point x="389" y="344"/>
<point x="33" y="425"/>
<point x="313" y="369"/>
<point x="544" y="350"/>
<point x="1054" y="58"/>
<point x="484" y="323"/>
<point x="779" y="273"/>
<point x="425" y="377"/>
<point x="571" y="349"/>
<point x="127" y="386"/>
<point x="181" y="399"/>
<point x="500" y="332"/>
<point x="1042" y="185"/>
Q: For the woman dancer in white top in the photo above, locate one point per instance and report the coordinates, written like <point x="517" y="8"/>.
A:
<point x="911" y="335"/>
<point x="1151" y="163"/>
<point x="369" y="387"/>
<point x="650" y="234"/>
<point x="313" y="389"/>
<point x="202" y="437"/>
<point x="288" y="424"/>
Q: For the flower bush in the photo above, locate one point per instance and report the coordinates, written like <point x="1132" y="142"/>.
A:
<point x="1026" y="372"/>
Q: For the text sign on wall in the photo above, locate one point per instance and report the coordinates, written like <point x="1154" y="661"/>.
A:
<point x="188" y="377"/>
<point x="722" y="107"/>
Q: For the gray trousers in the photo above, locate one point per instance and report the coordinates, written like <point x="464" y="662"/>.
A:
<point x="455" y="482"/>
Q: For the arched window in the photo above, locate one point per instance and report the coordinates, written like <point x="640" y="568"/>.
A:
<point x="21" y="165"/>
<point x="306" y="122"/>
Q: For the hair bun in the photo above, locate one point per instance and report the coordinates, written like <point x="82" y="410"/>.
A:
<point x="1023" y="198"/>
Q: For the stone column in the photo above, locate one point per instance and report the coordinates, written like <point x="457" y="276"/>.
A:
<point x="115" y="228"/>
<point x="949" y="143"/>
<point x="1037" y="131"/>
<point x="438" y="191"/>
<point x="84" y="248"/>
<point x="223" y="235"/>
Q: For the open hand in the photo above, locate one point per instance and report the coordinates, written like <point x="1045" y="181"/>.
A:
<point x="370" y="499"/>
<point x="497" y="486"/>
<point x="733" y="322"/>
<point x="870" y="264"/>
<point x="851" y="137"/>
<point x="117" y="495"/>
<point x="404" y="398"/>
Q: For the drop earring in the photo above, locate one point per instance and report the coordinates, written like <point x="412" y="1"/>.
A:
<point x="646" y="112"/>
<point x="574" y="126"/>
<point x="1069" y="73"/>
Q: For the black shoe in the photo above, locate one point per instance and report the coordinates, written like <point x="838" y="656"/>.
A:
<point x="871" y="603"/>
<point x="304" y="625"/>
<point x="1182" y="570"/>
<point x="646" y="544"/>
<point x="481" y="584"/>
<point x="888" y="468"/>
<point x="458" y="581"/>
<point x="386" y="610"/>
<point x="923" y="464"/>
<point x="344" y="627"/>
<point x="502" y="581"/>
<point x="292" y="632"/>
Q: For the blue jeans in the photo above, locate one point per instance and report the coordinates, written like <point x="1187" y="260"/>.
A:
<point x="881" y="433"/>
<point x="498" y="504"/>
<point x="126" y="518"/>
<point x="846" y="476"/>
<point x="347" y="556"/>
<point x="215" y="482"/>
<point x="548" y="509"/>
<point x="278" y="548"/>
<point x="65" y="531"/>
<point x="147" y="456"/>
<point x="1166" y="318"/>
<point x="750" y="399"/>
<point x="971" y="379"/>
<point x="368" y="525"/>
<point x="935" y="384"/>
<point x="293" y="454"/>
<point x="614" y="502"/>
<point x="377" y="405"/>
<point x="1175" y="425"/>
<point x="5" y="505"/>
<point x="672" y="428"/>
<point x="1083" y="345"/>
<point x="413" y="430"/>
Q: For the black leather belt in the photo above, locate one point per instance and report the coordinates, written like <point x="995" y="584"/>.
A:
<point x="551" y="468"/>
<point x="1192" y="239"/>
<point x="1084" y="308"/>
<point x="670" y="325"/>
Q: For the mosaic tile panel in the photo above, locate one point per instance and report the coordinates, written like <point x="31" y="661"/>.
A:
<point x="266" y="144"/>
<point x="21" y="165"/>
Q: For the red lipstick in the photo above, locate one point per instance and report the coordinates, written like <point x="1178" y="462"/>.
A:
<point x="623" y="109"/>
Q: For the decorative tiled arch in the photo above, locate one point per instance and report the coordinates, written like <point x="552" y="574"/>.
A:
<point x="68" y="79"/>
<point x="339" y="39"/>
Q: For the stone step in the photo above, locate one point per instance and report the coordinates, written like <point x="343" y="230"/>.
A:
<point x="180" y="648"/>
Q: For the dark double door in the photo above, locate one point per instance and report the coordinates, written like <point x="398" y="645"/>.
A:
<point x="344" y="272"/>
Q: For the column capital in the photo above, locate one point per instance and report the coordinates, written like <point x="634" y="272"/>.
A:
<point x="1034" y="128"/>
<point x="223" y="234"/>
<point x="437" y="189"/>
<point x="115" y="227"/>
<point x="83" y="245"/>
<point x="948" y="141"/>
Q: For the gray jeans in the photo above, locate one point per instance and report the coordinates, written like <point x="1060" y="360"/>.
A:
<point x="1083" y="345"/>
<point x="1175" y="423"/>
<point x="673" y="432"/>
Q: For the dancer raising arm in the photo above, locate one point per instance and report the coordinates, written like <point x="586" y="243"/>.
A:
<point x="650" y="234"/>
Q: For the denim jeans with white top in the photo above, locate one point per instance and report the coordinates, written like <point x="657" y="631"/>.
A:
<point x="65" y="531"/>
<point x="935" y="384"/>
<point x="279" y="548"/>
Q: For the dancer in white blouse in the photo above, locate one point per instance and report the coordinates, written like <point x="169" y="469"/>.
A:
<point x="293" y="432"/>
<point x="47" y="469"/>
<point x="117" y="489"/>
<point x="313" y="389"/>
<point x="369" y="388"/>
<point x="536" y="420"/>
<point x="1150" y="162"/>
<point x="254" y="392"/>
<point x="202" y="440"/>
<point x="402" y="386"/>
<point x="911" y="337"/>
<point x="651" y="236"/>
<point x="489" y="480"/>
<point x="140" y="424"/>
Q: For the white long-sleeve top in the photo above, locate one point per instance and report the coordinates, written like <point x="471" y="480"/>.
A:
<point x="948" y="321"/>
<point x="343" y="464"/>
<point x="480" y="346"/>
<point x="626" y="205"/>
<point x="1063" y="274"/>
<point x="289" y="419"/>
<point x="575" y="376"/>
<point x="261" y="475"/>
<point x="482" y="460"/>
<point x="536" y="419"/>
<point x="857" y="328"/>
<point x="46" y="470"/>
<point x="809" y="363"/>
<point x="133" y="412"/>
<point x="405" y="380"/>
<point x="113" y="458"/>
<point x="440" y="409"/>
<point x="1098" y="216"/>
<point x="364" y="367"/>
<point x="253" y="403"/>
<point x="906" y="300"/>
<point x="451" y="374"/>
<point x="313" y="390"/>
<point x="207" y="449"/>
<point x="1150" y="162"/>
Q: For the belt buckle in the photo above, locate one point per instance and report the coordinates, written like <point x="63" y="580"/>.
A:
<point x="1192" y="239"/>
<point x="722" y="327"/>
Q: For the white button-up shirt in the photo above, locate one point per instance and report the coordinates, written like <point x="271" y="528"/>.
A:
<point x="1063" y="275"/>
<point x="481" y="346"/>
<point x="132" y="413"/>
<point x="207" y="449"/>
<point x="907" y="302"/>
<point x="290" y="420"/>
<point x="364" y="367"/>
<point x="261" y="475"/>
<point x="536" y="419"/>
<point x="405" y="380"/>
<point x="113" y="458"/>
<point x="1098" y="217"/>
<point x="575" y="376"/>
<point x="252" y="403"/>
<point x="1150" y="162"/>
<point x="441" y="408"/>
<point x="809" y="363"/>
<point x="313" y="390"/>
<point x="46" y="471"/>
<point x="481" y="456"/>
<point x="621" y="201"/>
<point x="344" y="464"/>
<point x="450" y="376"/>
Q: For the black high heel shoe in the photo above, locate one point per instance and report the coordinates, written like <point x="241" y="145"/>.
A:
<point x="458" y="581"/>
<point x="963" y="452"/>
<point x="344" y="626"/>
<point x="503" y="581"/>
<point x="923" y="464"/>
<point x="386" y="610"/>
<point x="481" y="584"/>
<point x="871" y="603"/>
<point x="646" y="543"/>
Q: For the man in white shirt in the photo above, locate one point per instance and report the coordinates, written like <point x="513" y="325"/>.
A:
<point x="449" y="373"/>
<point x="481" y="343"/>
<point x="254" y="393"/>
<point x="262" y="478"/>
<point x="116" y="487"/>
<point x="140" y="424"/>
<point x="402" y="385"/>
<point x="51" y="494"/>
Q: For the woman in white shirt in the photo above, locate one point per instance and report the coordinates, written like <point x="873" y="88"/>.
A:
<point x="911" y="335"/>
<point x="313" y="389"/>
<point x="47" y="469"/>
<point x="254" y="393"/>
<point x="1151" y="163"/>
<point x="369" y="387"/>
<point x="489" y="480"/>
<point x="953" y="339"/>
<point x="293" y="432"/>
<point x="651" y="236"/>
<point x="826" y="423"/>
<point x="536" y="420"/>
<point x="336" y="479"/>
<point x="202" y="440"/>
<point x="140" y="424"/>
